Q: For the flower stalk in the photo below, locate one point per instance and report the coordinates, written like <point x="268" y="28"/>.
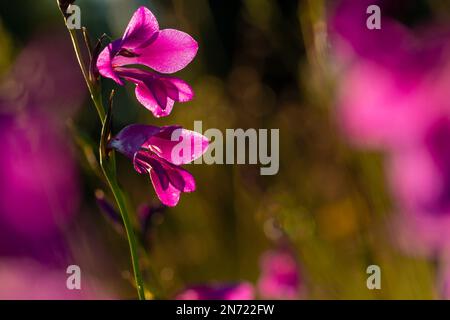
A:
<point x="107" y="164"/>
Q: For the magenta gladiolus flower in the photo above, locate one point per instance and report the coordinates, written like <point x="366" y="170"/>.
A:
<point x="391" y="76"/>
<point x="280" y="278"/>
<point x="240" y="291"/>
<point x="165" y="51"/>
<point x="160" y="152"/>
<point x="393" y="96"/>
<point x="350" y="35"/>
<point x="421" y="172"/>
<point x="46" y="177"/>
<point x="420" y="180"/>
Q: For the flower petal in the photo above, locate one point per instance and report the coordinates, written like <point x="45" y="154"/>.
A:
<point x="105" y="61"/>
<point x="178" y="145"/>
<point x="177" y="89"/>
<point x="168" y="174"/>
<point x="171" y="51"/>
<point x="181" y="179"/>
<point x="169" y="196"/>
<point x="140" y="30"/>
<point x="169" y="180"/>
<point x="154" y="99"/>
<point x="130" y="139"/>
<point x="157" y="93"/>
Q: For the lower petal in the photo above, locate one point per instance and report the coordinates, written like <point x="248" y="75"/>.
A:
<point x="169" y="196"/>
<point x="157" y="93"/>
<point x="181" y="179"/>
<point x="146" y="97"/>
<point x="177" y="89"/>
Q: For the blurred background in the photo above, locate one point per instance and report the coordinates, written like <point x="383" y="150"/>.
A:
<point x="364" y="120"/>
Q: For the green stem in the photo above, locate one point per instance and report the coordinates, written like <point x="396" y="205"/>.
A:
<point x="93" y="90"/>
<point x="110" y="175"/>
<point x="120" y="199"/>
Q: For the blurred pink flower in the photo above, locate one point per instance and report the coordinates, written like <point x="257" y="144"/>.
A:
<point x="153" y="152"/>
<point x="350" y="36"/>
<point x="421" y="172"/>
<point x="391" y="77"/>
<point x="443" y="283"/>
<point x="45" y="77"/>
<point x="27" y="280"/>
<point x="419" y="175"/>
<point x="280" y="277"/>
<point x="165" y="51"/>
<point x="39" y="188"/>
<point x="374" y="109"/>
<point x="239" y="291"/>
<point x="393" y="97"/>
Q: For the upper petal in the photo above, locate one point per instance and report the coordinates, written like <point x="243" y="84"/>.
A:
<point x="130" y="139"/>
<point x="106" y="59"/>
<point x="178" y="145"/>
<point x="171" y="51"/>
<point x="141" y="29"/>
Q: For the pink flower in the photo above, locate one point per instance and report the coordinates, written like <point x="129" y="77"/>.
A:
<point x="165" y="51"/>
<point x="391" y="77"/>
<point x="239" y="291"/>
<point x="384" y="108"/>
<point x="350" y="35"/>
<point x="280" y="278"/>
<point x="393" y="96"/>
<point x="419" y="175"/>
<point x="37" y="166"/>
<point x="28" y="280"/>
<point x="159" y="152"/>
<point x="443" y="283"/>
